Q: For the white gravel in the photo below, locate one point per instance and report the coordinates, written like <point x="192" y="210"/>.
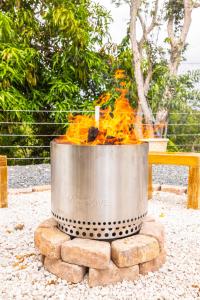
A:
<point x="178" y="279"/>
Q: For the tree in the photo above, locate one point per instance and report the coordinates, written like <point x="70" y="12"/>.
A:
<point x="51" y="58"/>
<point x="147" y="55"/>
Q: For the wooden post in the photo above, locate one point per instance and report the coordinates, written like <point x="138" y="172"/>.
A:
<point x="194" y="188"/>
<point x="3" y="182"/>
<point x="150" y="189"/>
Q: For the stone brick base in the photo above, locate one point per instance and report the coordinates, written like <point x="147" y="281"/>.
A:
<point x="105" y="262"/>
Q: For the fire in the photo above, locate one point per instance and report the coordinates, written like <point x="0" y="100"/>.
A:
<point x="115" y="127"/>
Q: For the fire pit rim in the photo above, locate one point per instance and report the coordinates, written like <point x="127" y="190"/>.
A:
<point x="55" y="141"/>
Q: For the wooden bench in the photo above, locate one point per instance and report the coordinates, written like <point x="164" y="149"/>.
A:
<point x="3" y="182"/>
<point x="183" y="159"/>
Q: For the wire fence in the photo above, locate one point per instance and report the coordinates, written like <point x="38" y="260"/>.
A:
<point x="34" y="153"/>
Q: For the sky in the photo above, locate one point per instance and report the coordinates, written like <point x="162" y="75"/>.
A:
<point x="118" y="30"/>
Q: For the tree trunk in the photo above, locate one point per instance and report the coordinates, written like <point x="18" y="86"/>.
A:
<point x="148" y="116"/>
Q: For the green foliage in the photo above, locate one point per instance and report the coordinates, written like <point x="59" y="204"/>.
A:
<point x="50" y="59"/>
<point x="186" y="135"/>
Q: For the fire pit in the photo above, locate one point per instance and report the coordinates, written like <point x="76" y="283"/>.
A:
<point x="99" y="192"/>
<point x="99" y="199"/>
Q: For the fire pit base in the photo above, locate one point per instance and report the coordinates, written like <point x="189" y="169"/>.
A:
<point x="107" y="262"/>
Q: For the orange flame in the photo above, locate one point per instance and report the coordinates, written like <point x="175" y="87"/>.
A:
<point x="118" y="126"/>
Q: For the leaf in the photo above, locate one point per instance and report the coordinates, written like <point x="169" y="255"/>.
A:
<point x="162" y="215"/>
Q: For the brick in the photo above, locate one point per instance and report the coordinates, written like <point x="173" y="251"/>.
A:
<point x="156" y="187"/>
<point x="112" y="275"/>
<point x="134" y="250"/>
<point x="154" y="229"/>
<point x="179" y="190"/>
<point x="153" y="265"/>
<point x="69" y="272"/>
<point x="49" y="241"/>
<point x="41" y="188"/>
<point x="85" y="252"/>
<point x="51" y="222"/>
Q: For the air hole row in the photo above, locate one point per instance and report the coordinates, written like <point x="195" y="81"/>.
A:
<point x="97" y="223"/>
<point x="113" y="234"/>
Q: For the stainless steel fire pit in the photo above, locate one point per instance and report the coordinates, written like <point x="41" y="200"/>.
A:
<point x="99" y="192"/>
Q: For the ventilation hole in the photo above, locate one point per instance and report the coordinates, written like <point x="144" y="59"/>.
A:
<point x="110" y="229"/>
<point x="117" y="228"/>
<point x="87" y="229"/>
<point x="124" y="227"/>
<point x="74" y="221"/>
<point x="109" y="223"/>
<point x="128" y="221"/>
<point x="114" y="223"/>
<point x="113" y="234"/>
<point x="135" y="219"/>
<point x="106" y="234"/>
<point x="66" y="220"/>
<point x="131" y="229"/>
<point x="83" y="222"/>
<point x="91" y="234"/>
<point x="104" y="223"/>
<point x="94" y="223"/>
<point x="136" y="227"/>
<point x="70" y="221"/>
<point x="124" y="221"/>
<point x="126" y="231"/>
<point x="129" y="225"/>
<point x="60" y="218"/>
<point x="119" y="222"/>
<point x="62" y="227"/>
<point x="71" y="231"/>
<point x="83" y="234"/>
<point x="120" y="233"/>
<point x="77" y="232"/>
<point x="99" y="223"/>
<point x="131" y="220"/>
<point x="88" y="223"/>
<point x="63" y="219"/>
<point x="74" y="226"/>
<point x="79" y="222"/>
<point x="80" y="228"/>
<point x="66" y="229"/>
<point x="95" y="229"/>
<point x="99" y="234"/>
<point x="102" y="229"/>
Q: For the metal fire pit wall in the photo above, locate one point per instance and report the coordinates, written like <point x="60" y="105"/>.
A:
<point x="99" y="192"/>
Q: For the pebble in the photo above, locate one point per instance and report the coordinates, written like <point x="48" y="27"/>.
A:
<point x="178" y="279"/>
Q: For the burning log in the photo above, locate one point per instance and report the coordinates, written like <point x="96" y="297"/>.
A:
<point x="92" y="134"/>
<point x="111" y="140"/>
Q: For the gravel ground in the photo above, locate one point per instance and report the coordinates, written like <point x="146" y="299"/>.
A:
<point x="22" y="275"/>
<point x="25" y="176"/>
